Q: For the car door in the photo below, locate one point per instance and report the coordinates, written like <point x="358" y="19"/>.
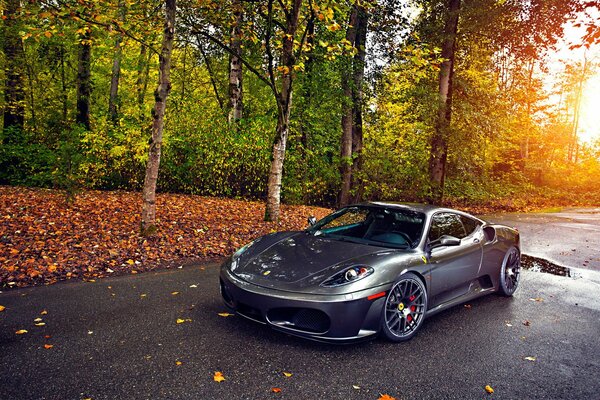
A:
<point x="453" y="267"/>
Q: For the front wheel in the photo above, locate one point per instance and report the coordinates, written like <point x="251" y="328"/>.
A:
<point x="510" y="272"/>
<point x="404" y="308"/>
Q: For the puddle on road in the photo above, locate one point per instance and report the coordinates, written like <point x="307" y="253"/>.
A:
<point x="540" y="265"/>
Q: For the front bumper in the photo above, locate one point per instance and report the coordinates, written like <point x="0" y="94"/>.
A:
<point x="335" y="318"/>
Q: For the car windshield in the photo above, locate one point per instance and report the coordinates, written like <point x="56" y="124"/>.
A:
<point x="373" y="225"/>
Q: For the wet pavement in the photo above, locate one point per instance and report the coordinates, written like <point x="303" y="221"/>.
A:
<point x="570" y="238"/>
<point x="159" y="335"/>
<point x="119" y="338"/>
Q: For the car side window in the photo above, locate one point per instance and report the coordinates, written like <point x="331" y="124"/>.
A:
<point x="470" y="224"/>
<point x="446" y="224"/>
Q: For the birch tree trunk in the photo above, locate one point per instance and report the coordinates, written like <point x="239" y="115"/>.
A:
<point x="439" y="140"/>
<point x="148" y="225"/>
<point x="284" y="103"/>
<point x="14" y="96"/>
<point x="236" y="105"/>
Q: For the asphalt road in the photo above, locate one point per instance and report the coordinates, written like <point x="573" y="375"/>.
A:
<point x="569" y="238"/>
<point x="118" y="338"/>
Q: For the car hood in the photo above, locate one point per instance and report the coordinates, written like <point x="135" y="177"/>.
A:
<point x="300" y="260"/>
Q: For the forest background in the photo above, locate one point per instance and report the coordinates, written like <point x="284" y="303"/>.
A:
<point x="314" y="102"/>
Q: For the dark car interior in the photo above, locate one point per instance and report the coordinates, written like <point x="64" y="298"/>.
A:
<point x="383" y="226"/>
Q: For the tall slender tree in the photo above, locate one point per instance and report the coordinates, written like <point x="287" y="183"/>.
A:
<point x="439" y="140"/>
<point x="352" y="82"/>
<point x="84" y="78"/>
<point x="236" y="105"/>
<point x="148" y="225"/>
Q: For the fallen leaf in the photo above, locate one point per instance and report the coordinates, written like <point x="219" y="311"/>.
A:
<point x="468" y="306"/>
<point x="193" y="286"/>
<point x="538" y="299"/>
<point x="90" y="332"/>
<point x="130" y="262"/>
<point x="174" y="293"/>
<point x="21" y="332"/>
<point x="287" y="374"/>
<point x="489" y="389"/>
<point x="44" y="312"/>
<point x="40" y="324"/>
<point x="178" y="363"/>
<point x="47" y="336"/>
<point x="143" y="295"/>
<point x="508" y="324"/>
<point x="48" y="346"/>
<point x="526" y="323"/>
<point x="218" y="377"/>
<point x="225" y="314"/>
<point x="180" y="321"/>
<point x="37" y="320"/>
<point x="355" y="387"/>
<point x="386" y="397"/>
<point x="530" y="358"/>
<point x="2" y="308"/>
<point x="276" y="390"/>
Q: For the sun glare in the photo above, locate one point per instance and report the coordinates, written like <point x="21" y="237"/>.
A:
<point x="589" y="112"/>
<point x="589" y="120"/>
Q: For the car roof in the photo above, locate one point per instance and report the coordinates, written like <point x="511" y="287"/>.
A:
<point x="427" y="209"/>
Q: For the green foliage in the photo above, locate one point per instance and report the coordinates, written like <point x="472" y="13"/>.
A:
<point x="504" y="143"/>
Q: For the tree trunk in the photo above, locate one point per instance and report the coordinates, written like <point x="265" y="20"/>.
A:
<point x="284" y="103"/>
<point x="347" y="116"/>
<point x="439" y="141"/>
<point x="113" y="100"/>
<point x="573" y="149"/>
<point x="148" y="225"/>
<point x="14" y="56"/>
<point x="236" y="105"/>
<point x="357" y="100"/>
<point x="84" y="81"/>
<point x="352" y="130"/>
<point x="142" y="76"/>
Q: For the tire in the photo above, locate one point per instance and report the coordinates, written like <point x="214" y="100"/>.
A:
<point x="404" y="308"/>
<point x="510" y="272"/>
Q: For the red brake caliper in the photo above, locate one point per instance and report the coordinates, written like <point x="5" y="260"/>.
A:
<point x="413" y="308"/>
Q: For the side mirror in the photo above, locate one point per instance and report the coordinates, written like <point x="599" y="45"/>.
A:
<point x="312" y="221"/>
<point x="445" y="240"/>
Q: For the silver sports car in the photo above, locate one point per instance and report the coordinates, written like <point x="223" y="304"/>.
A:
<point x="368" y="269"/>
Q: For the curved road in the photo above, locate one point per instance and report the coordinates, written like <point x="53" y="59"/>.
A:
<point x="118" y="338"/>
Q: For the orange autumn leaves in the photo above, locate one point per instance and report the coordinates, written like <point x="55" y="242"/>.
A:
<point x="45" y="239"/>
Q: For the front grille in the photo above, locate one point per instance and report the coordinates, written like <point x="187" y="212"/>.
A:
<point x="301" y="319"/>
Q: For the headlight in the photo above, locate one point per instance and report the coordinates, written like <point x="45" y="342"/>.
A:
<point x="348" y="275"/>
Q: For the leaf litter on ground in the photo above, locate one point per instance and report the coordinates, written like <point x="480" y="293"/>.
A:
<point x="47" y="239"/>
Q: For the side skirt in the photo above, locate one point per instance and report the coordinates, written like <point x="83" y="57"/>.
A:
<point x="459" y="300"/>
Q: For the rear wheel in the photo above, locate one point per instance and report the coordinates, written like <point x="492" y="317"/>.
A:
<point x="404" y="308"/>
<point x="510" y="272"/>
